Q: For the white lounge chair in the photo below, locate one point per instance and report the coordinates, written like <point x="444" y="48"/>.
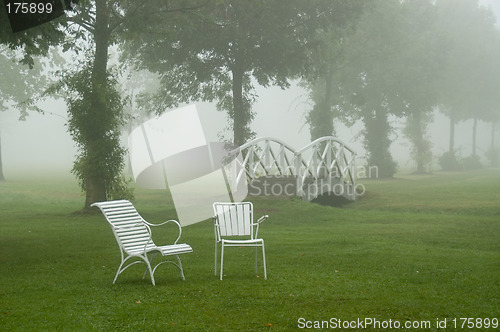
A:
<point x="134" y="238"/>
<point x="236" y="220"/>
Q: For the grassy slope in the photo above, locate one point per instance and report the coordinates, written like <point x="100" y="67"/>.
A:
<point x="413" y="248"/>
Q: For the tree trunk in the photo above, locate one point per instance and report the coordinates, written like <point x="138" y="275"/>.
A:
<point x="494" y="157"/>
<point x="451" y="147"/>
<point x="474" y="132"/>
<point x="328" y="102"/>
<point x="419" y="143"/>
<point x="377" y="142"/>
<point x="2" y="178"/>
<point x="416" y="131"/>
<point x="239" y="109"/>
<point x="493" y="135"/>
<point x="95" y="184"/>
<point x="320" y="118"/>
<point x="320" y="121"/>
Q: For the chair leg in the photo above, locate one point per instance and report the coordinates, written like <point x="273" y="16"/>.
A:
<point x="221" y="260"/>
<point x="180" y="267"/>
<point x="153" y="255"/>
<point x="264" y="259"/>
<point x="148" y="268"/>
<point x="118" y="272"/>
<point x="256" y="270"/>
<point x="215" y="269"/>
<point x="150" y="271"/>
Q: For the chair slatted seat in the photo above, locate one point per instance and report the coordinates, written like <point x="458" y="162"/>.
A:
<point x="134" y="238"/>
<point x="234" y="227"/>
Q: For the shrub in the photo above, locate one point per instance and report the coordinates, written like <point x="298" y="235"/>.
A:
<point x="449" y="162"/>
<point x="493" y="156"/>
<point x="472" y="162"/>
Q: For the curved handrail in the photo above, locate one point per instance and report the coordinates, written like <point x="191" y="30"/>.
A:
<point x="335" y="159"/>
<point x="322" y="139"/>
<point x="259" y="139"/>
<point x="253" y="151"/>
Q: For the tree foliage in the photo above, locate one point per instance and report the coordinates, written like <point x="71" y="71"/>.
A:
<point x="33" y="42"/>
<point x="328" y="59"/>
<point x="218" y="49"/>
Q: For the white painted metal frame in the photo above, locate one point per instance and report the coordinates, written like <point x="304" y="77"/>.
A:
<point x="325" y="161"/>
<point x="233" y="220"/>
<point x="264" y="156"/>
<point x="134" y="238"/>
<point x="328" y="160"/>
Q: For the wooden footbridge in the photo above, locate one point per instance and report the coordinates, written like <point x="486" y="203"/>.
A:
<point x="272" y="167"/>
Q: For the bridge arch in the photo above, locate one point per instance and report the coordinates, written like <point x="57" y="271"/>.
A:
<point x="331" y="166"/>
<point x="326" y="165"/>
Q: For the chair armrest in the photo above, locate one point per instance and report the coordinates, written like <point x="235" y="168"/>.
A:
<point x="257" y="224"/>
<point x="166" y="222"/>
<point x="215" y="221"/>
<point x="163" y="223"/>
<point x="261" y="219"/>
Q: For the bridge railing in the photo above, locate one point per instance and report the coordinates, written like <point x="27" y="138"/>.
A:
<point x="327" y="158"/>
<point x="263" y="156"/>
<point x="320" y="161"/>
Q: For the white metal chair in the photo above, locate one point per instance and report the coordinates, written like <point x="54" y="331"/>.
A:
<point x="134" y="238"/>
<point x="236" y="220"/>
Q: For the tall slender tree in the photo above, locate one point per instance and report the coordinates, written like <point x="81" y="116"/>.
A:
<point x="95" y="107"/>
<point x="370" y="83"/>
<point x="420" y="64"/>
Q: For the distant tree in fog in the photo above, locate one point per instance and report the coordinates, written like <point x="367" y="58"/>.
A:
<point x="20" y="78"/>
<point x="404" y="59"/>
<point x="369" y="83"/>
<point x="471" y="80"/>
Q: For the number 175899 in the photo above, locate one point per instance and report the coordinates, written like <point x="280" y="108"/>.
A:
<point x="28" y="7"/>
<point x="475" y="323"/>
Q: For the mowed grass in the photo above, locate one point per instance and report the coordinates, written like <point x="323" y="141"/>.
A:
<point x="416" y="248"/>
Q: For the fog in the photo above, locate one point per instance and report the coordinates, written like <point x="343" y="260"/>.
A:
<point x="42" y="145"/>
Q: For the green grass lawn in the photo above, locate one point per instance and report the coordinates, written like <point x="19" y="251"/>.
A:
<point x="413" y="249"/>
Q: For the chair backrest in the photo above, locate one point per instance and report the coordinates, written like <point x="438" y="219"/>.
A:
<point x="130" y="230"/>
<point x="233" y="219"/>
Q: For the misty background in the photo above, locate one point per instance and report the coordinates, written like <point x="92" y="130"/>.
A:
<point x="41" y="145"/>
